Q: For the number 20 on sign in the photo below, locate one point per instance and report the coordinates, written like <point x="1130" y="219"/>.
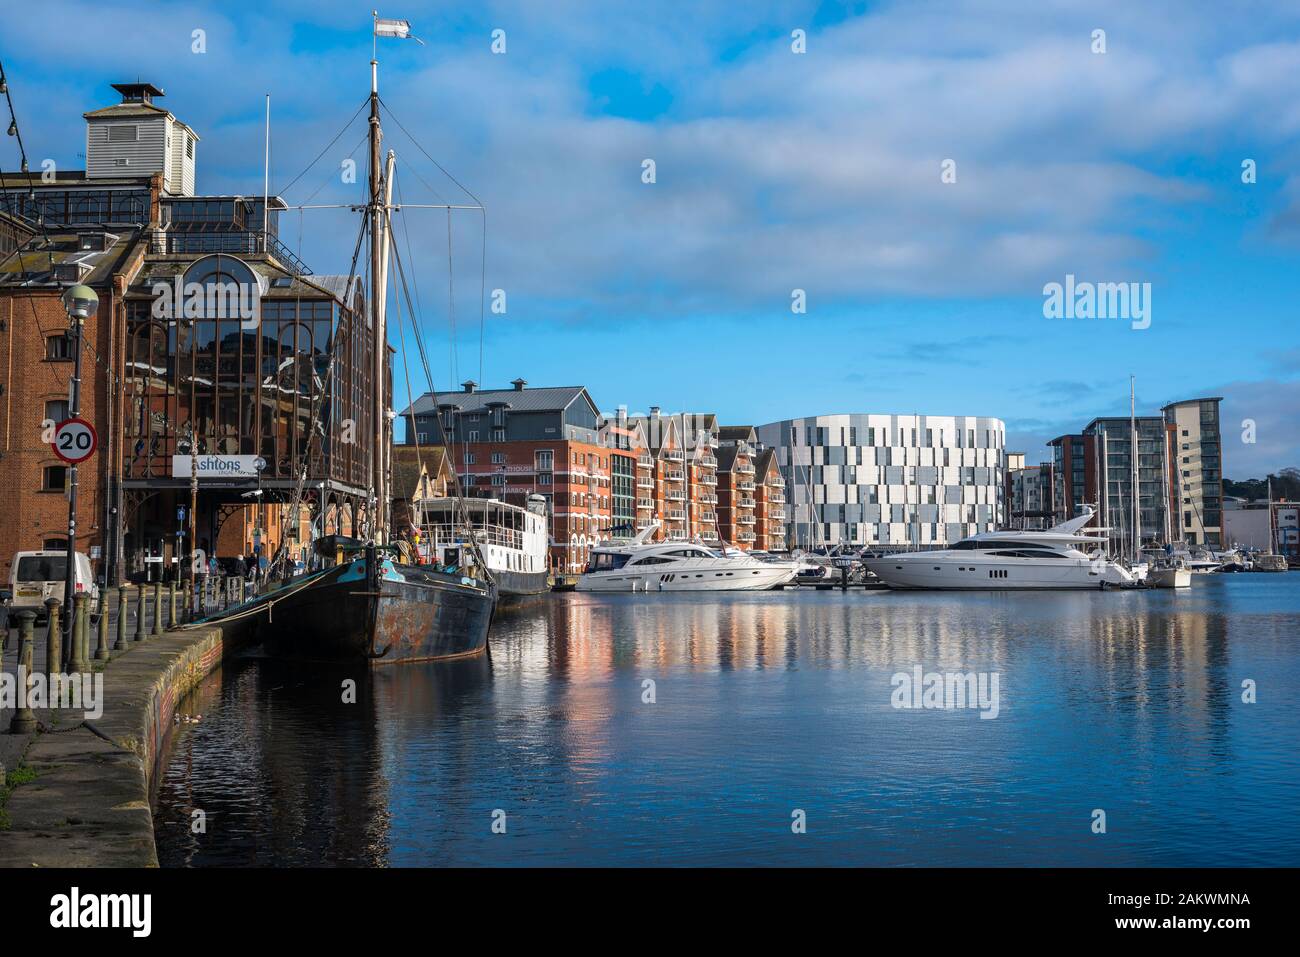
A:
<point x="74" y="440"/>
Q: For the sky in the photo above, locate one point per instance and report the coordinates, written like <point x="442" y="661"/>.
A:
<point x="917" y="176"/>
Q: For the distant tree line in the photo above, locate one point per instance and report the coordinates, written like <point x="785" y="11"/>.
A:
<point x="1286" y="484"/>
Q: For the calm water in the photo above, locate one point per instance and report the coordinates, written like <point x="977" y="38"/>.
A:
<point x="766" y="703"/>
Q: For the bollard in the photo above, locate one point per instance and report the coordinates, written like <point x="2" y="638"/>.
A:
<point x="171" y="603"/>
<point x="120" y="643"/>
<point x="24" y="722"/>
<point x="77" y="662"/>
<point x="102" y="653"/>
<point x="53" y="642"/>
<point x="141" y="591"/>
<point x="157" y="609"/>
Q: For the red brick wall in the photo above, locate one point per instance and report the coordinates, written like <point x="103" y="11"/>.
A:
<point x="30" y="516"/>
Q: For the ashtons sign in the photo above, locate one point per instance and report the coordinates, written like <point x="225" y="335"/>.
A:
<point x="217" y="466"/>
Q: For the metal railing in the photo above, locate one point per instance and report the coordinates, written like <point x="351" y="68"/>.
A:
<point x="245" y="241"/>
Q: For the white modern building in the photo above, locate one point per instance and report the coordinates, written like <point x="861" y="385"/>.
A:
<point x="889" y="480"/>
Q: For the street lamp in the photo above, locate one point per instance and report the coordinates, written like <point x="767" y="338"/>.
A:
<point x="80" y="302"/>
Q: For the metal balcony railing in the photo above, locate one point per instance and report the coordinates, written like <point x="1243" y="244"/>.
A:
<point x="245" y="241"/>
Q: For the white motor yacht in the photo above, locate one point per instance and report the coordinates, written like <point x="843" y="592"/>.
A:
<point x="1059" y="557"/>
<point x="642" y="565"/>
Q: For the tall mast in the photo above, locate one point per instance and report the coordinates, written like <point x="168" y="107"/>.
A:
<point x="1133" y="461"/>
<point x="379" y="339"/>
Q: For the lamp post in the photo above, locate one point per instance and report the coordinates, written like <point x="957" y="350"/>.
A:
<point x="80" y="302"/>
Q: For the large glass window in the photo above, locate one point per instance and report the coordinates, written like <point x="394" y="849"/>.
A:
<point x="246" y="386"/>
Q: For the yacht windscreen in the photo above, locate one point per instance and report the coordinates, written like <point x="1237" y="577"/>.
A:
<point x="607" y="561"/>
<point x="970" y="545"/>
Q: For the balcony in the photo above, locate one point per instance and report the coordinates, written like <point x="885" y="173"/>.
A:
<point x="675" y="495"/>
<point x="708" y="498"/>
<point x="745" y="536"/>
<point x="676" y="515"/>
<point x="645" y="462"/>
<point x="707" y="460"/>
<point x="645" y="503"/>
<point x="645" y="482"/>
<point x="775" y="514"/>
<point x="241" y="242"/>
<point x="745" y="486"/>
<point x="745" y="503"/>
<point x="745" y="520"/>
<point x="674" y="455"/>
<point x="744" y="468"/>
<point x="709" y="517"/>
<point x="676" y="476"/>
<point x="708" y="480"/>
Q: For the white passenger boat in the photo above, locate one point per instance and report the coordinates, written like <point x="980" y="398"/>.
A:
<point x="1057" y="558"/>
<point x="642" y="565"/>
<point x="512" y="539"/>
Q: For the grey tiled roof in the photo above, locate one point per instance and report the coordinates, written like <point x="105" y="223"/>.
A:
<point x="544" y="399"/>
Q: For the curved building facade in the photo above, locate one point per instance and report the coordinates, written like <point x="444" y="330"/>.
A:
<point x="889" y="480"/>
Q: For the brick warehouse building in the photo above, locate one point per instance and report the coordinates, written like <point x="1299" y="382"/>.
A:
<point x="516" y="442"/>
<point x="159" y="383"/>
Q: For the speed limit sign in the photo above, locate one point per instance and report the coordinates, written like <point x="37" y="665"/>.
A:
<point x="74" y="440"/>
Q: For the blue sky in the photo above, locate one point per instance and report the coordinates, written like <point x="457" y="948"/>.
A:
<point x="775" y="171"/>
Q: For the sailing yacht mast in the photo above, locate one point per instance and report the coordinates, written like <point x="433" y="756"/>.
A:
<point x="379" y="342"/>
<point x="1133" y="466"/>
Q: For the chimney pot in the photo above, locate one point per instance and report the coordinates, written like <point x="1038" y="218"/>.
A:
<point x="469" y="385"/>
<point x="519" y="384"/>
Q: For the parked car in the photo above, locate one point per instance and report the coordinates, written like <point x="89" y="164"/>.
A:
<point x="37" y="576"/>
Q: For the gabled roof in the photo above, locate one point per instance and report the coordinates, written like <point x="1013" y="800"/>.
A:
<point x="726" y="458"/>
<point x="406" y="472"/>
<point x="763" y="462"/>
<point x="544" y="399"/>
<point x="664" y="428"/>
<point x="408" y="464"/>
<point x="736" y="433"/>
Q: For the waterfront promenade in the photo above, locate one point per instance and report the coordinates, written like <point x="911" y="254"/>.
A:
<point x="77" y="788"/>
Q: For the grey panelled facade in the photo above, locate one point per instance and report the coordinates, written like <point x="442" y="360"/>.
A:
<point x="889" y="480"/>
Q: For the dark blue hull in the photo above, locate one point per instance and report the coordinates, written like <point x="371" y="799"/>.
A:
<point x="397" y="613"/>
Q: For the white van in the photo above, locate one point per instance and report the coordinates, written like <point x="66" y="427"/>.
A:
<point x="37" y="576"/>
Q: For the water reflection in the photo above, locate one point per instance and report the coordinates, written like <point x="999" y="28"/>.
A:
<point x="682" y="728"/>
